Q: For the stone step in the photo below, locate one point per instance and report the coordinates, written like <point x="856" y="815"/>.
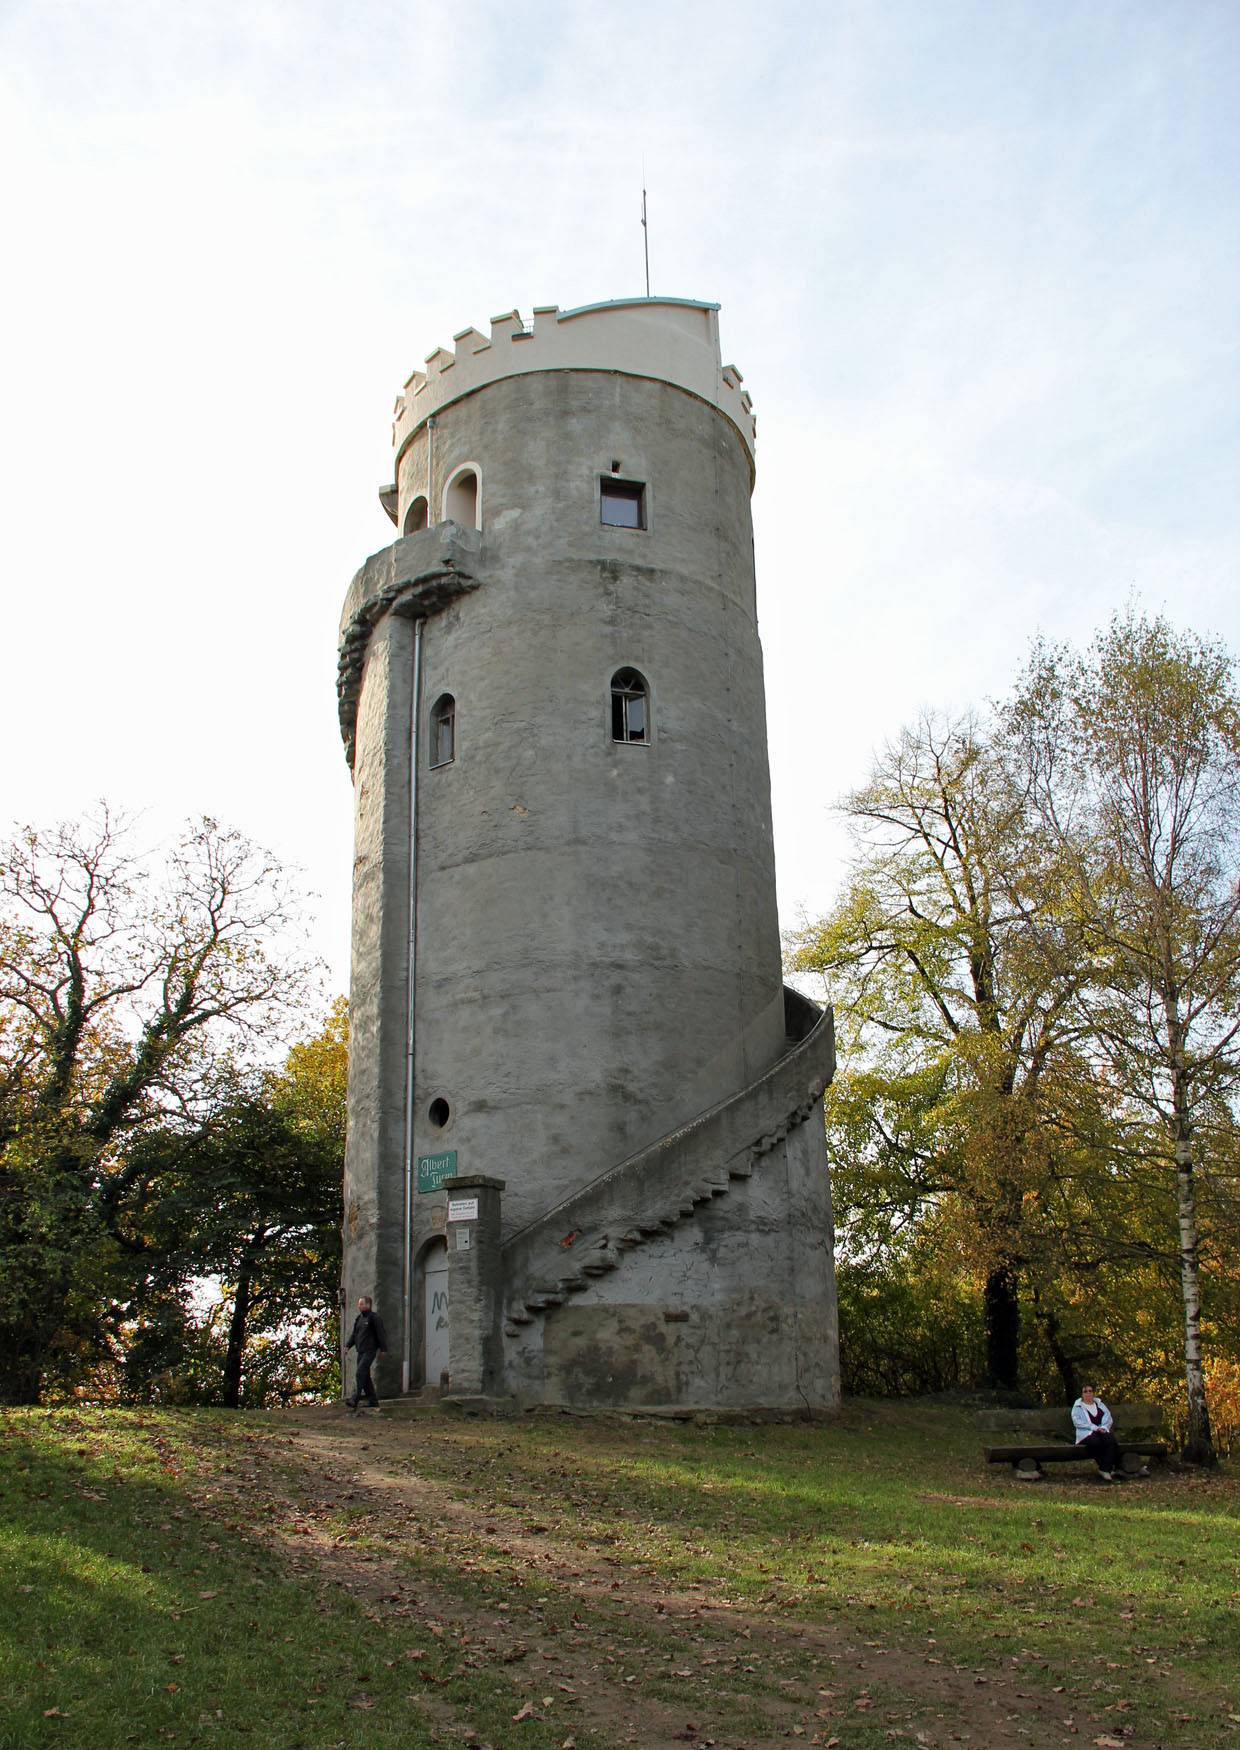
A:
<point x="632" y="1239"/>
<point x="520" y="1318"/>
<point x="740" y="1169"/>
<point x="572" y="1284"/>
<point x="538" y="1303"/>
<point x="600" y="1266"/>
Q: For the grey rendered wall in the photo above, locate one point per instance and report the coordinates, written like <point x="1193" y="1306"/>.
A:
<point x="598" y="954"/>
<point x="374" y="1159"/>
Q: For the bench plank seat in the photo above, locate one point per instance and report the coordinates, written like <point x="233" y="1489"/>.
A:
<point x="1027" y="1461"/>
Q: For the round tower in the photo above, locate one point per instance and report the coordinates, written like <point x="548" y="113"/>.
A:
<point x="567" y="1007"/>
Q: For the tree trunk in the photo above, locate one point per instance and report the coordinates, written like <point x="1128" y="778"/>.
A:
<point x="23" y="1330"/>
<point x="236" y="1340"/>
<point x="37" y="1282"/>
<point x="21" y="1370"/>
<point x="1064" y="1364"/>
<point x="1199" y="1446"/>
<point x="1002" y="1329"/>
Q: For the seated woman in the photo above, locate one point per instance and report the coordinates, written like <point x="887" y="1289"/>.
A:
<point x="1093" y="1424"/>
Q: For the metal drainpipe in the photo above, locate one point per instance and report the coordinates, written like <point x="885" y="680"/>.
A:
<point x="430" y="472"/>
<point x="415" y="711"/>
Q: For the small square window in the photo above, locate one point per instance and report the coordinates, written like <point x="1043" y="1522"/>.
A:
<point x="622" y="503"/>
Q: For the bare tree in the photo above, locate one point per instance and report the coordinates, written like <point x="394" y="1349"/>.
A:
<point x="126" y="983"/>
<point x="1134" y="753"/>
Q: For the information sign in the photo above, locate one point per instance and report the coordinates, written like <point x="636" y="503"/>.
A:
<point x="462" y="1209"/>
<point x="434" y="1169"/>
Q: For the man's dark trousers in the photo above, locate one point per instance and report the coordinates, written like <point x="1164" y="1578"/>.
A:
<point x="365" y="1361"/>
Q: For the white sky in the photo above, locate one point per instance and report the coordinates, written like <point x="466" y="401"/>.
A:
<point x="979" y="264"/>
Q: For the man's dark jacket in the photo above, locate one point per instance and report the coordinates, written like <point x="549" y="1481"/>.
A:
<point x="368" y="1335"/>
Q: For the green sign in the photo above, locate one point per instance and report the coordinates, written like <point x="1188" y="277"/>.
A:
<point x="434" y="1169"/>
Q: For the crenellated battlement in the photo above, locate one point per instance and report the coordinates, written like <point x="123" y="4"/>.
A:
<point x="674" y="340"/>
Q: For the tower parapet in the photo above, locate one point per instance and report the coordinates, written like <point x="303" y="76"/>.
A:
<point x="672" y="340"/>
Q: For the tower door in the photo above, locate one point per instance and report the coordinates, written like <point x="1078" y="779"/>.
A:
<point x="435" y="1324"/>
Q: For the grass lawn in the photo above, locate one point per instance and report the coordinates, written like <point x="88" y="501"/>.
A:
<point x="314" y="1579"/>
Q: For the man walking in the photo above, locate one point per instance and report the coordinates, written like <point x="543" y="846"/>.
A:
<point x="369" y="1339"/>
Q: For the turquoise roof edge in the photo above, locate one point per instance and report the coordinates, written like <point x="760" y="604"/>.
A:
<point x="621" y="303"/>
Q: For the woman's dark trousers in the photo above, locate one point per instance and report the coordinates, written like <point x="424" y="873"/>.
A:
<point x="1101" y="1446"/>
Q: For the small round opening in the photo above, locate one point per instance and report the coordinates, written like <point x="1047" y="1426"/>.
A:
<point x="439" y="1113"/>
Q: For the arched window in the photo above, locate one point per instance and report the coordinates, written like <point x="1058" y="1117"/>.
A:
<point x="630" y="706"/>
<point x="460" y="501"/>
<point x="443" y="730"/>
<point x="415" y="516"/>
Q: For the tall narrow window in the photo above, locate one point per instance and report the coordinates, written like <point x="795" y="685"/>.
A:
<point x="443" y="730"/>
<point x="461" y="499"/>
<point x="630" y="706"/>
<point x="621" y="503"/>
<point x="415" y="516"/>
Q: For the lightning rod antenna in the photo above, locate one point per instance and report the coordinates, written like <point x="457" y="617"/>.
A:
<point x="645" y="231"/>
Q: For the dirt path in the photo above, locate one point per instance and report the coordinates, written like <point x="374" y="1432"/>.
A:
<point x="596" y="1641"/>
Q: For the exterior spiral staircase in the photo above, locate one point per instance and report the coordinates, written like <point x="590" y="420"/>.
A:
<point x="589" y="1235"/>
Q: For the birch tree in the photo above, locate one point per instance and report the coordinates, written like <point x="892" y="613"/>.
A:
<point x="1134" y="757"/>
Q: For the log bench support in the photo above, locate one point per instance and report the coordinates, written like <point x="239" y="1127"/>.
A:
<point x="1027" y="1461"/>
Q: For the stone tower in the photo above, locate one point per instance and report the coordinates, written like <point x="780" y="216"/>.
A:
<point x="585" y="1159"/>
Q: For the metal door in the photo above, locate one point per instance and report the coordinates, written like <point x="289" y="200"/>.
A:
<point x="435" y="1352"/>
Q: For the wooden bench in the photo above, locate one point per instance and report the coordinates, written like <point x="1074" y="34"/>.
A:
<point x="1027" y="1461"/>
